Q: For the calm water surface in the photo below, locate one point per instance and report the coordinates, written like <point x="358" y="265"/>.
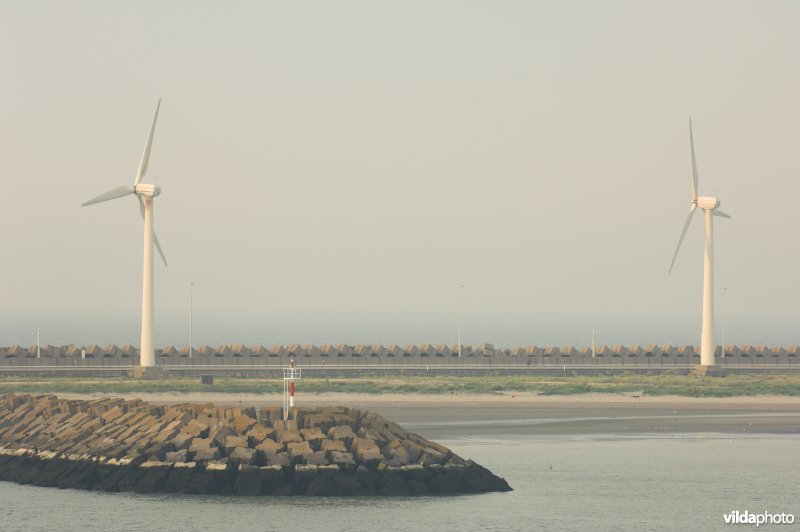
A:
<point x="560" y="483"/>
<point x="503" y="330"/>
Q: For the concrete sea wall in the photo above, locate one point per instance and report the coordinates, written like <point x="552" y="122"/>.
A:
<point x="341" y="354"/>
<point x="119" y="445"/>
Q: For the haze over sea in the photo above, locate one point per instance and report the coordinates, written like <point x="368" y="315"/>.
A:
<point x="319" y="327"/>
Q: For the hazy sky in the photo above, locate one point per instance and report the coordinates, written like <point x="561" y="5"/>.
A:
<point x="359" y="158"/>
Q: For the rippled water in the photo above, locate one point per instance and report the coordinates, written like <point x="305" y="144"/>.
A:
<point x="560" y="483"/>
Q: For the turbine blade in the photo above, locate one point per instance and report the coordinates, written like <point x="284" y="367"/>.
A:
<point x="717" y="212"/>
<point x="146" y="153"/>
<point x="683" y="234"/>
<point x="695" y="178"/>
<point x="158" y="247"/>
<point x="141" y="206"/>
<point x="111" y="194"/>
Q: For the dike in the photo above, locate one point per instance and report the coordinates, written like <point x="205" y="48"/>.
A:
<point x="117" y="445"/>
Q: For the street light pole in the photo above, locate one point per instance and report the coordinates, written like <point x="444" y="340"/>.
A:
<point x="724" y="302"/>
<point x="460" y="304"/>
<point x="191" y="287"/>
<point x="38" y="347"/>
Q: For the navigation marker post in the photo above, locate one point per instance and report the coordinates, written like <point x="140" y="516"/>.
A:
<point x="290" y="375"/>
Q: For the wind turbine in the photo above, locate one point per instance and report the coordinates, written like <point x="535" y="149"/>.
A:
<point x="710" y="207"/>
<point x="145" y="192"/>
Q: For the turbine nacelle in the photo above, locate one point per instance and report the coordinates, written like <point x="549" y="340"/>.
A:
<point x="147" y="190"/>
<point x="708" y="203"/>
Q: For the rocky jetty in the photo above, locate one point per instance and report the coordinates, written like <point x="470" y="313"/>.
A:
<point x="130" y="445"/>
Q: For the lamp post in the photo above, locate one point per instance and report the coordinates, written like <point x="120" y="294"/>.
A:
<point x="191" y="288"/>
<point x="38" y="346"/>
<point x="724" y="302"/>
<point x="460" y="304"/>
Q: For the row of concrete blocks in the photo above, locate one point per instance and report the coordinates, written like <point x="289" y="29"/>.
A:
<point x="274" y="366"/>
<point x="135" y="431"/>
<point x="29" y="466"/>
<point x="389" y="352"/>
<point x="199" y="448"/>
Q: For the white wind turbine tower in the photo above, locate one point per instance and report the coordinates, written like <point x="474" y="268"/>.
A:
<point x="145" y="192"/>
<point x="710" y="206"/>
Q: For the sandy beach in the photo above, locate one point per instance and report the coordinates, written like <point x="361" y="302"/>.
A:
<point x="530" y="414"/>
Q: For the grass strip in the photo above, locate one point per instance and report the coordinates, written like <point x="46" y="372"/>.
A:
<point x="680" y="385"/>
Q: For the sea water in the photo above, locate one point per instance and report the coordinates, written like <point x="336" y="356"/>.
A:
<point x="586" y="482"/>
<point x="505" y="330"/>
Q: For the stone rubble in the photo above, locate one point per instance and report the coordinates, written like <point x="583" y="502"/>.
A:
<point x="130" y="445"/>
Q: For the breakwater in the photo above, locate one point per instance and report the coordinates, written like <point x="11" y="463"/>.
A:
<point x="362" y="353"/>
<point x="130" y="445"/>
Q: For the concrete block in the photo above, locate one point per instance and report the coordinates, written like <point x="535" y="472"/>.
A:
<point x="218" y="434"/>
<point x="299" y="451"/>
<point x="258" y="433"/>
<point x="288" y="436"/>
<point x="332" y="445"/>
<point x="322" y="421"/>
<point x="317" y="458"/>
<point x="280" y="425"/>
<point x="205" y="454"/>
<point x="176" y="456"/>
<point x="182" y="440"/>
<point x="196" y="429"/>
<point x="231" y="442"/>
<point x="394" y="450"/>
<point x="200" y="443"/>
<point x="270" y="447"/>
<point x="243" y="455"/>
<point x="341" y="459"/>
<point x="278" y="459"/>
<point x="312" y="435"/>
<point x="368" y="456"/>
<point x="341" y="432"/>
<point x="241" y="424"/>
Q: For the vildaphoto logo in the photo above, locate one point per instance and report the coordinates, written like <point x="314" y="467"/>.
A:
<point x="764" y="518"/>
